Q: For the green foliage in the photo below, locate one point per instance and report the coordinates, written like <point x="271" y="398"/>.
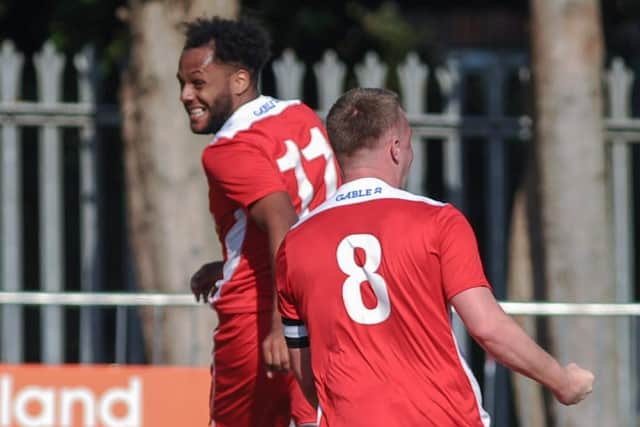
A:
<point x="70" y="25"/>
<point x="75" y="24"/>
<point x="389" y="27"/>
<point x="350" y="28"/>
<point x="391" y="32"/>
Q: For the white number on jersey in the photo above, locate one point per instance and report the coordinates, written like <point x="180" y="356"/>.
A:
<point x="318" y="147"/>
<point x="351" y="293"/>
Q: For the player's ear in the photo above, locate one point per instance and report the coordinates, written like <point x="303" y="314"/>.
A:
<point x="240" y="81"/>
<point x="394" y="150"/>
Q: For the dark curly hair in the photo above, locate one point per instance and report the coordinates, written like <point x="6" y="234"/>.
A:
<point x="243" y="42"/>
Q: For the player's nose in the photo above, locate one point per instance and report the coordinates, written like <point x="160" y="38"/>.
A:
<point x="186" y="94"/>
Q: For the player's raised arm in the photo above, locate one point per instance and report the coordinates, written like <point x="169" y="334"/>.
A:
<point x="274" y="214"/>
<point x="509" y="344"/>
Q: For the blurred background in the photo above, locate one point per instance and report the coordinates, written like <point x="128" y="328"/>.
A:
<point x="525" y="115"/>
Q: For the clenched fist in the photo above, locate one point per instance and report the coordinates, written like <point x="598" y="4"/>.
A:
<point x="578" y="385"/>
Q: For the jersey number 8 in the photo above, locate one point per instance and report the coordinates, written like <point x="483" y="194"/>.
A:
<point x="356" y="275"/>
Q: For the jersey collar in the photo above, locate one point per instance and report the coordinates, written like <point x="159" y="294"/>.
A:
<point x="247" y="114"/>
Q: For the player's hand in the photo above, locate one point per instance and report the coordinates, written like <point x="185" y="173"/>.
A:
<point x="274" y="349"/>
<point x="578" y="385"/>
<point x="203" y="281"/>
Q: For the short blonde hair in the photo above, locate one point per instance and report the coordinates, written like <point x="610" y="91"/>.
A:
<point x="360" y="117"/>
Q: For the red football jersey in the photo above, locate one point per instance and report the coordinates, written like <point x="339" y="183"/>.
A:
<point x="266" y="146"/>
<point x="366" y="281"/>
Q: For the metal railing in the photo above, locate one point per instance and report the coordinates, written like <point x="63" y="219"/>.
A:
<point x="128" y="299"/>
<point x="122" y="302"/>
<point x="159" y="302"/>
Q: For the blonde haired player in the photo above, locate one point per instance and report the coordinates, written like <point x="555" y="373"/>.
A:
<point x="366" y="283"/>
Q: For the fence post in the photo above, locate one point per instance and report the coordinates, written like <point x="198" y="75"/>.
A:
<point x="450" y="83"/>
<point x="413" y="83"/>
<point x="619" y="81"/>
<point x="91" y="266"/>
<point x="289" y="74"/>
<point x="372" y="72"/>
<point x="330" y="73"/>
<point x="496" y="211"/>
<point x="11" y="207"/>
<point x="49" y="67"/>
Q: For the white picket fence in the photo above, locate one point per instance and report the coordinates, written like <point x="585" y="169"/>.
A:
<point x="451" y="126"/>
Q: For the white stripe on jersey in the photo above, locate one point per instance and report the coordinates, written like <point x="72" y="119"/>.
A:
<point x="485" y="418"/>
<point x="233" y="245"/>
<point x="295" y="331"/>
<point x="251" y="112"/>
<point x="365" y="190"/>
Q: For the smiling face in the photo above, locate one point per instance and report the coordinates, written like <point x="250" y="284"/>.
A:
<point x="205" y="89"/>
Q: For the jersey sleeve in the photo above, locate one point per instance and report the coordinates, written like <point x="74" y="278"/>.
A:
<point x="295" y="332"/>
<point x="460" y="259"/>
<point x="244" y="171"/>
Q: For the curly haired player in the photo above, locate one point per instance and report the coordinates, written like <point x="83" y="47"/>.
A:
<point x="268" y="163"/>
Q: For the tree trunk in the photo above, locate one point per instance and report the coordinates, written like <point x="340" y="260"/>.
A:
<point x="171" y="229"/>
<point x="567" y="51"/>
<point x="528" y="395"/>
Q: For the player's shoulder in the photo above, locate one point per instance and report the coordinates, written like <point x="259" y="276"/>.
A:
<point x="255" y="118"/>
<point x="300" y="109"/>
<point x="373" y="189"/>
<point x="419" y="200"/>
<point x="365" y="190"/>
<point x="410" y="208"/>
<point x="297" y="115"/>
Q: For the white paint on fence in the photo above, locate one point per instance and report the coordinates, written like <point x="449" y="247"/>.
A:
<point x="91" y="273"/>
<point x="49" y="67"/>
<point x="413" y="86"/>
<point x="619" y="82"/>
<point x="289" y="74"/>
<point x="330" y="74"/>
<point x="11" y="63"/>
<point x="372" y="72"/>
